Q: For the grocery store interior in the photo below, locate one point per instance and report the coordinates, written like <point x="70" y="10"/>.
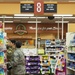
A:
<point x="46" y="29"/>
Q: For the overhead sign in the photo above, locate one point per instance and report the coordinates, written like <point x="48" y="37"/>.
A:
<point x="50" y="8"/>
<point x="38" y="7"/>
<point x="27" y="8"/>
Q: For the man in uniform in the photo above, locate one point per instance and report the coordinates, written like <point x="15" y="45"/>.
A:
<point x="10" y="50"/>
<point x="18" y="60"/>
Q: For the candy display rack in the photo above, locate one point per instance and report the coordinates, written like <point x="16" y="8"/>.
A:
<point x="32" y="64"/>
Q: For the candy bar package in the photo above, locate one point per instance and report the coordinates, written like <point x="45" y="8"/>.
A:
<point x="34" y="58"/>
<point x="33" y="71"/>
<point x="33" y="67"/>
<point x="32" y="63"/>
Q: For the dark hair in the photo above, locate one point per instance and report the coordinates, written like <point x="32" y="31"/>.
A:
<point x="18" y="44"/>
<point x="13" y="41"/>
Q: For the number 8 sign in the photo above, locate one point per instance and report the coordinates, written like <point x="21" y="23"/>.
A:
<point x="38" y="7"/>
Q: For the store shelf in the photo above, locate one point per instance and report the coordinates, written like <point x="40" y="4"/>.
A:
<point x="53" y="51"/>
<point x="53" y="55"/>
<point x="73" y="45"/>
<point x="70" y="68"/>
<point x="45" y="64"/>
<point x="51" y="46"/>
<point x="53" y="67"/>
<point x="50" y="55"/>
<point x="56" y="46"/>
<point x="71" y="60"/>
<point x="70" y="51"/>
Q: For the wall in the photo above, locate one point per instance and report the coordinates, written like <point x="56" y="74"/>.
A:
<point x="71" y="27"/>
<point x="14" y="8"/>
<point x="9" y="8"/>
<point x="66" y="8"/>
<point x="47" y="36"/>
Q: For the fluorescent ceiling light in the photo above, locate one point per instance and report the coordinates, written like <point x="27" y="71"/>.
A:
<point x="57" y="17"/>
<point x="61" y="21"/>
<point x="5" y="17"/>
<point x="69" y="17"/>
<point x="38" y="17"/>
<point x="34" y="21"/>
<point x="65" y="17"/>
<point x="62" y="15"/>
<point x="21" y="17"/>
<point x="8" y="21"/>
<point x="23" y="14"/>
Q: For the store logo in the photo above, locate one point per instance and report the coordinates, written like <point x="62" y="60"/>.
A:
<point x="20" y="29"/>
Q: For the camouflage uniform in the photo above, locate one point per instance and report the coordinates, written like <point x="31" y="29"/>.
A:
<point x="18" y="62"/>
<point x="10" y="52"/>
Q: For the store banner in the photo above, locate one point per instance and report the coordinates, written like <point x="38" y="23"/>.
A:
<point x="38" y="7"/>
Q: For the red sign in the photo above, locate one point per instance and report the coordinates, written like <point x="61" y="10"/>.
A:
<point x="1" y="25"/>
<point x="38" y="7"/>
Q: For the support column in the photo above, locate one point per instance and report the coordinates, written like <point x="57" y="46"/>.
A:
<point x="36" y="33"/>
<point x="62" y="27"/>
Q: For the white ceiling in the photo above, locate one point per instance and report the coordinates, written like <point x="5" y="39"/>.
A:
<point x="33" y="0"/>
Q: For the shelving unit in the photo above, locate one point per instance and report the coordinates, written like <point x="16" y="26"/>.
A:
<point x="45" y="64"/>
<point x="52" y="49"/>
<point x="32" y="65"/>
<point x="70" y="55"/>
<point x="3" y="58"/>
<point x="70" y="61"/>
<point x="46" y="60"/>
<point x="70" y="69"/>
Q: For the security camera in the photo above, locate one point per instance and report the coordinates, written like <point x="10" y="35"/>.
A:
<point x="50" y="17"/>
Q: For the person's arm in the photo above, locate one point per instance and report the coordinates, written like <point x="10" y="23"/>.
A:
<point x="15" y="60"/>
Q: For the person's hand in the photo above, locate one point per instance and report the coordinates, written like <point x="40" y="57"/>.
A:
<point x="3" y="66"/>
<point x="10" y="67"/>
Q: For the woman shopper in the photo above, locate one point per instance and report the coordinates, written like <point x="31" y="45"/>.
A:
<point x="18" y="60"/>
